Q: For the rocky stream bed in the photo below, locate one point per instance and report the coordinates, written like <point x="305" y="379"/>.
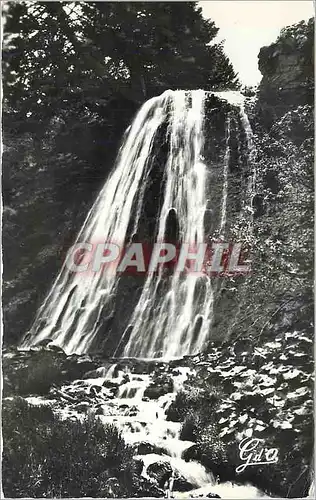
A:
<point x="135" y="395"/>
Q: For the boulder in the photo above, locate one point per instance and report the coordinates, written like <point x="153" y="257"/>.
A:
<point x="145" y="448"/>
<point x="161" y="385"/>
<point x="181" y="484"/>
<point x="110" y="385"/>
<point x="160" y="472"/>
<point x="79" y="365"/>
<point x="94" y="390"/>
<point x="91" y="374"/>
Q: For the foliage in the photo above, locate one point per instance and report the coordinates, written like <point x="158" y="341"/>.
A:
<point x="195" y="401"/>
<point x="111" y="46"/>
<point x="267" y="394"/>
<point x="281" y="280"/>
<point x="44" y="456"/>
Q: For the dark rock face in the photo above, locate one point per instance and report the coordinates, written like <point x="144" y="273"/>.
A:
<point x="287" y="72"/>
<point x="39" y="370"/>
<point x="56" y="217"/>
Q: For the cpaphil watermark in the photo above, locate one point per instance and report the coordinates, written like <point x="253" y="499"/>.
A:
<point x="213" y="259"/>
<point x="252" y="451"/>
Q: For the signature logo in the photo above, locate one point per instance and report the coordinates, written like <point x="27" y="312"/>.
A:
<point x="253" y="452"/>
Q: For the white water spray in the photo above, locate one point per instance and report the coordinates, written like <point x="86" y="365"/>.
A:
<point x="173" y="315"/>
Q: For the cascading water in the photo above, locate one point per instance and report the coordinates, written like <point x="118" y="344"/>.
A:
<point x="118" y="396"/>
<point x="168" y="324"/>
<point x="173" y="315"/>
<point x="225" y="180"/>
<point x="71" y="311"/>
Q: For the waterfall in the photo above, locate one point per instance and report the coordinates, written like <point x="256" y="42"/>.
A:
<point x="165" y="324"/>
<point x="73" y="307"/>
<point x="225" y="180"/>
<point x="173" y="315"/>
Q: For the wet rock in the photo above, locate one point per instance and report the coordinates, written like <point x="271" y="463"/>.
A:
<point x="94" y="390"/>
<point x="79" y="365"/>
<point x="126" y="378"/>
<point x="161" y="385"/>
<point x="181" y="484"/>
<point x="145" y="448"/>
<point x="123" y="407"/>
<point x="160" y="472"/>
<point x="133" y="409"/>
<point x="112" y="386"/>
<point x="55" y="348"/>
<point x="91" y="374"/>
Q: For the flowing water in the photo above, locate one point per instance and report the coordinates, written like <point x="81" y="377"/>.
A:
<point x="144" y="424"/>
<point x="173" y="315"/>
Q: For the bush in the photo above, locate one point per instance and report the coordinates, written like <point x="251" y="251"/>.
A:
<point x="44" y="456"/>
<point x="192" y="400"/>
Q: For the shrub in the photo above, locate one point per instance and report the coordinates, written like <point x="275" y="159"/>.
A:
<point x="44" y="456"/>
<point x="192" y="400"/>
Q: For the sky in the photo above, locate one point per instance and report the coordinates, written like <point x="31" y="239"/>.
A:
<point x="248" y="25"/>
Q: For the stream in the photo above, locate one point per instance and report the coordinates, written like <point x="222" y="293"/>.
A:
<point x="144" y="425"/>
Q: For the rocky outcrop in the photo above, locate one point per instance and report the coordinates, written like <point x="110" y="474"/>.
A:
<point x="287" y="72"/>
<point x="39" y="370"/>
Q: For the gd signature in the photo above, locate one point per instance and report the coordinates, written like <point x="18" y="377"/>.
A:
<point x="253" y="452"/>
